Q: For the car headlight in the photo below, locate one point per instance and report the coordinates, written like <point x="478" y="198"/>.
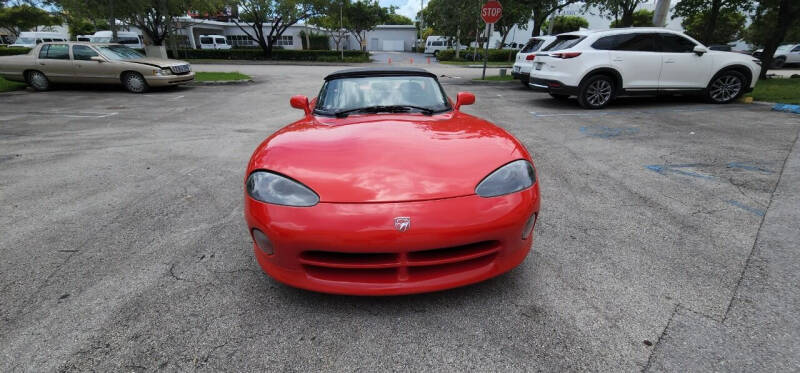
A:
<point x="163" y="72"/>
<point x="512" y="177"/>
<point x="272" y="188"/>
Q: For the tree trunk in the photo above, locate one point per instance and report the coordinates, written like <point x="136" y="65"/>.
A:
<point x="785" y="16"/>
<point x="627" y="17"/>
<point x="711" y="22"/>
<point x="308" y="38"/>
<point x="537" y="25"/>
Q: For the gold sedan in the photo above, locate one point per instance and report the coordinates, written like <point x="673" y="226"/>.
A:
<point x="79" y="62"/>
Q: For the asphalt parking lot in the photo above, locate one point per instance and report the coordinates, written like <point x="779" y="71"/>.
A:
<point x="667" y="240"/>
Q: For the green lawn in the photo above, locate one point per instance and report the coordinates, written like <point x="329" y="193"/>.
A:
<point x="488" y="64"/>
<point x="785" y="91"/>
<point x="497" y="78"/>
<point x="202" y="76"/>
<point x="7" y="86"/>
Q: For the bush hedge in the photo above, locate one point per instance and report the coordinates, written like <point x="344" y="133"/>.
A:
<point x="277" y="54"/>
<point x="495" y="55"/>
<point x="13" y="51"/>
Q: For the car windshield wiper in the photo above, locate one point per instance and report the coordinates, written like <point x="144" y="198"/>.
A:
<point x="384" y="109"/>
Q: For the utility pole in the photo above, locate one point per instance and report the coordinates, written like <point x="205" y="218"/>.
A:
<point x="341" y="26"/>
<point x="660" y="13"/>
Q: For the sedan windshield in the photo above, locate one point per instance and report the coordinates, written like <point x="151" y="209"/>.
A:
<point x="119" y="52"/>
<point x="381" y="94"/>
<point x="784" y="47"/>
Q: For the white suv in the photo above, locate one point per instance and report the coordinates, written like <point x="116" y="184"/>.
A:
<point x="598" y="66"/>
<point x="524" y="62"/>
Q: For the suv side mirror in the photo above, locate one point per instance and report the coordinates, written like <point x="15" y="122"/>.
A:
<point x="97" y="59"/>
<point x="464" y="98"/>
<point x="700" y="50"/>
<point x="300" y="102"/>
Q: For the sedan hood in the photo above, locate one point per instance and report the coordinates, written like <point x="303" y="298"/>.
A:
<point x="158" y="62"/>
<point x="388" y="158"/>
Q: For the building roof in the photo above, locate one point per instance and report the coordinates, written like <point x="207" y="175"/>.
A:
<point x="396" y="26"/>
<point x="380" y="71"/>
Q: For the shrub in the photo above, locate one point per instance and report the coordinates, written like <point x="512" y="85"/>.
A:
<point x="258" y="54"/>
<point x="13" y="51"/>
<point x="318" y="41"/>
<point x="446" y="55"/>
<point x="495" y="55"/>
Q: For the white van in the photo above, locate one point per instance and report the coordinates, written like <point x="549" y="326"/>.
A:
<point x="129" y="39"/>
<point x="434" y="44"/>
<point x="214" y="42"/>
<point x="30" y="39"/>
<point x="83" y="38"/>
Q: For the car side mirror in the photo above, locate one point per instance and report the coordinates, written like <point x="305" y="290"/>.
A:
<point x="464" y="98"/>
<point x="700" y="50"/>
<point x="97" y="59"/>
<point x="300" y="102"/>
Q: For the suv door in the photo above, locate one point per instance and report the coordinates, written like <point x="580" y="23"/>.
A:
<point x="635" y="57"/>
<point x="794" y="55"/>
<point x="53" y="60"/>
<point x="683" y="69"/>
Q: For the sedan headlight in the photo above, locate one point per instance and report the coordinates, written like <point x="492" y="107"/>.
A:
<point x="272" y="188"/>
<point x="512" y="177"/>
<point x="163" y="72"/>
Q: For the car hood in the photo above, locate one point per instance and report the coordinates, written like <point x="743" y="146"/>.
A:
<point x="158" y="62"/>
<point x="388" y="157"/>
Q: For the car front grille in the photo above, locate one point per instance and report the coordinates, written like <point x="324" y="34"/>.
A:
<point x="180" y="69"/>
<point x="398" y="267"/>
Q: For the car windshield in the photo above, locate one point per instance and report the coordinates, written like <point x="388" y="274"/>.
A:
<point x="564" y="42"/>
<point x="785" y="47"/>
<point x="25" y="41"/>
<point x="410" y="92"/>
<point x="119" y="52"/>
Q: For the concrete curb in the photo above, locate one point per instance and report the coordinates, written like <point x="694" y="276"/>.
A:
<point x="295" y="63"/>
<point x="222" y="82"/>
<point x="787" y="108"/>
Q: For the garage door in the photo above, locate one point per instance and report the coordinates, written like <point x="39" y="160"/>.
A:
<point x="393" y="45"/>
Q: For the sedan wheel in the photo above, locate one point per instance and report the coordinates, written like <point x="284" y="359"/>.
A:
<point x="726" y="87"/>
<point x="38" y="81"/>
<point x="135" y="83"/>
<point x="596" y="92"/>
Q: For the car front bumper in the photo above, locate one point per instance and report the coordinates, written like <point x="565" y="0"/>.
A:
<point x="355" y="248"/>
<point x="169" y="80"/>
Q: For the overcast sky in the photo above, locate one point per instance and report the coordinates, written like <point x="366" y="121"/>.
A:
<point x="408" y="8"/>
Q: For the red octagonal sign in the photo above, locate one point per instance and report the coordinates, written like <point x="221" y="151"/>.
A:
<point x="491" y="11"/>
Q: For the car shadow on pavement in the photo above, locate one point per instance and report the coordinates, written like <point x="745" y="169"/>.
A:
<point x="84" y="88"/>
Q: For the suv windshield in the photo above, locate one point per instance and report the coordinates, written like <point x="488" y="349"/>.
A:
<point x="119" y="52"/>
<point x="532" y="46"/>
<point x="400" y="93"/>
<point x="564" y="42"/>
<point x="785" y="47"/>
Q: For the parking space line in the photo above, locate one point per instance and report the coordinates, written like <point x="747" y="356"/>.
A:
<point x="83" y="114"/>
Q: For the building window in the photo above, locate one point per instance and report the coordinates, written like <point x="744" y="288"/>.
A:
<point x="285" y="40"/>
<point x="239" y="40"/>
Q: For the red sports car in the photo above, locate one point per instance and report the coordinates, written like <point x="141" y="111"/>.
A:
<point x="385" y="187"/>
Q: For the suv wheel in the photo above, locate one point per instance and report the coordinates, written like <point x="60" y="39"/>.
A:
<point x="134" y="82"/>
<point x="777" y="63"/>
<point x="725" y="87"/>
<point x="596" y="92"/>
<point x="38" y="81"/>
<point x="436" y="53"/>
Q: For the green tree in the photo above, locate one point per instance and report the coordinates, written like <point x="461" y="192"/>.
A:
<point x="712" y="13"/>
<point x="397" y="19"/>
<point x="542" y="9"/>
<point x="332" y="21"/>
<point x="458" y="21"/>
<point x="621" y="11"/>
<point x="641" y="18"/>
<point x="773" y="22"/>
<point x="24" y="17"/>
<point x="80" y="26"/>
<point x="515" y="13"/>
<point x="277" y="15"/>
<point x="729" y="26"/>
<point x="362" y="16"/>
<point x="565" y="24"/>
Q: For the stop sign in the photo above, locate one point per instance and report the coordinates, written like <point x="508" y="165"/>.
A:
<point x="491" y="11"/>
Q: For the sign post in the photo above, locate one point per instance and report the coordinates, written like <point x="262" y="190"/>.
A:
<point x="490" y="13"/>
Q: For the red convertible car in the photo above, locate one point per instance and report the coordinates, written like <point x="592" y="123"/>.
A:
<point x="385" y="187"/>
